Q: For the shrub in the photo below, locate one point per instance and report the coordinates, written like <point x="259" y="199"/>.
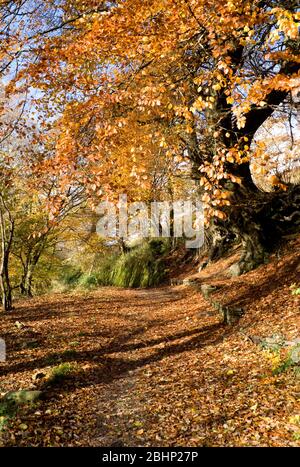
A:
<point x="295" y="289"/>
<point x="102" y="276"/>
<point x="8" y="409"/>
<point x="60" y="372"/>
<point x="142" y="266"/>
<point x="282" y="361"/>
<point x="105" y="269"/>
<point x="70" y="275"/>
<point x="88" y="281"/>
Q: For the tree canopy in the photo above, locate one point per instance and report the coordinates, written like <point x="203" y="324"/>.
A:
<point x="180" y="78"/>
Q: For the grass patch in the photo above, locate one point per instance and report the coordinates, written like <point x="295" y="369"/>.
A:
<point x="143" y="266"/>
<point x="52" y="359"/>
<point x="60" y="373"/>
<point x="69" y="353"/>
<point x="295" y="289"/>
<point x="74" y="344"/>
<point x="81" y="334"/>
<point x="102" y="276"/>
<point x="32" y="345"/>
<point x="70" y="276"/>
<point x="8" y="409"/>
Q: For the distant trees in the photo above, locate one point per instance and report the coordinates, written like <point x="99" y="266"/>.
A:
<point x="38" y="232"/>
<point x="33" y="215"/>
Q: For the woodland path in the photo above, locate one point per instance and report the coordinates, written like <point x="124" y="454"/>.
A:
<point x="151" y="368"/>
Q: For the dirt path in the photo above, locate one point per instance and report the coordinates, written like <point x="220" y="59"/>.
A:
<point x="150" y="368"/>
<point x="116" y="338"/>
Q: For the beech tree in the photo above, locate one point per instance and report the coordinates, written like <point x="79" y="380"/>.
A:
<point x="181" y="78"/>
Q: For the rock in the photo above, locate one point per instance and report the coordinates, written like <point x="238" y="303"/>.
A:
<point x="23" y="396"/>
<point x="231" y="315"/>
<point x="187" y="282"/>
<point x="295" y="354"/>
<point x="274" y="342"/>
<point x="294" y="342"/>
<point x="235" y="270"/>
<point x="29" y="345"/>
<point x="277" y="341"/>
<point x="39" y="375"/>
<point x="207" y="289"/>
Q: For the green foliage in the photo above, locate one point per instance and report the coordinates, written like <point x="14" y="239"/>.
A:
<point x="70" y="354"/>
<point x="8" y="409"/>
<point x="105" y="269"/>
<point x="283" y="366"/>
<point x="74" y="344"/>
<point x="70" y="275"/>
<point x="295" y="289"/>
<point x="88" y="281"/>
<point x="143" y="266"/>
<point x="52" y="359"/>
<point x="100" y="277"/>
<point x="280" y="363"/>
<point x="60" y="372"/>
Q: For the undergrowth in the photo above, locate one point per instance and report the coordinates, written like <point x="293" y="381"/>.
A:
<point x="141" y="267"/>
<point x="60" y="372"/>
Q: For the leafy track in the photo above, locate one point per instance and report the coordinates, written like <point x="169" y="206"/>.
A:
<point x="155" y="367"/>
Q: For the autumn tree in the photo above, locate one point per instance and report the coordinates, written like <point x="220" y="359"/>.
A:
<point x="38" y="231"/>
<point x="183" y="78"/>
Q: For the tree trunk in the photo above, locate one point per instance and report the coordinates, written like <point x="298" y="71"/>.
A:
<point x="261" y="223"/>
<point x="123" y="247"/>
<point x="6" y="290"/>
<point x="29" y="265"/>
<point x="7" y="231"/>
<point x="26" y="283"/>
<point x="253" y="252"/>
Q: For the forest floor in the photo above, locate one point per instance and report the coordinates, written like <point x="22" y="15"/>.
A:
<point x="157" y="367"/>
